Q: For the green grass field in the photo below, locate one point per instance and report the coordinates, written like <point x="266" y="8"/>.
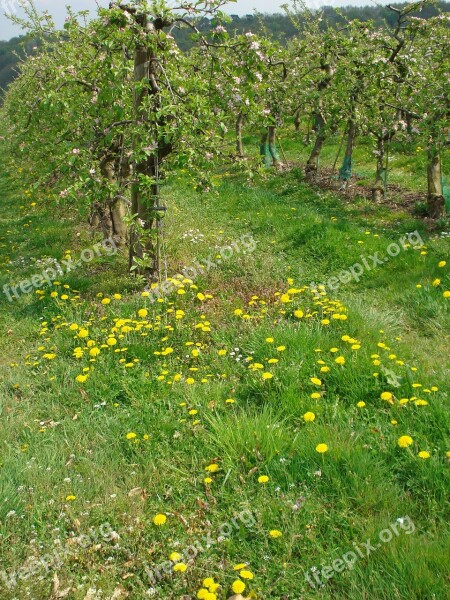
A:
<point x="248" y="423"/>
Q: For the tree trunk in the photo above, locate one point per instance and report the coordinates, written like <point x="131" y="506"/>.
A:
<point x="94" y="218"/>
<point x="436" y="200"/>
<point x="118" y="211"/>
<point x="268" y="148"/>
<point x="111" y="215"/>
<point x="143" y="235"/>
<point x="100" y="218"/>
<point x="264" y="149"/>
<point x="297" y="120"/>
<point x="378" y="187"/>
<point x="308" y="134"/>
<point x="345" y="172"/>
<point x="239" y="128"/>
<point x="313" y="161"/>
<point x="409" y="123"/>
<point x="273" y="147"/>
<point x="312" y="165"/>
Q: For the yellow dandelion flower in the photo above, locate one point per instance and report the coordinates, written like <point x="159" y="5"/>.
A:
<point x="404" y="441"/>
<point x="421" y="402"/>
<point x="175" y="556"/>
<point x="309" y="416"/>
<point x="246" y="574"/>
<point x="159" y="520"/>
<point x="238" y="586"/>
<point x="275" y="533"/>
<point x="212" y="468"/>
<point x="321" y="448"/>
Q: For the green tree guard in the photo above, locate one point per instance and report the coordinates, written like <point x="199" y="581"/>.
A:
<point x="265" y="152"/>
<point x="268" y="149"/>
<point x="345" y="172"/>
<point x="446" y="193"/>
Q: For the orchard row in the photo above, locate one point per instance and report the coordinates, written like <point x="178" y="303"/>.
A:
<point x="105" y="110"/>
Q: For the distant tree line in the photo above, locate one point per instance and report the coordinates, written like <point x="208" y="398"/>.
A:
<point x="10" y="53"/>
<point x="281" y="28"/>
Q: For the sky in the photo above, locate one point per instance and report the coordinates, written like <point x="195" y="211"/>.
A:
<point x="241" y="7"/>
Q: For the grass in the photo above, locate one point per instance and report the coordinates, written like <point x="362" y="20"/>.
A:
<point x="100" y="458"/>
